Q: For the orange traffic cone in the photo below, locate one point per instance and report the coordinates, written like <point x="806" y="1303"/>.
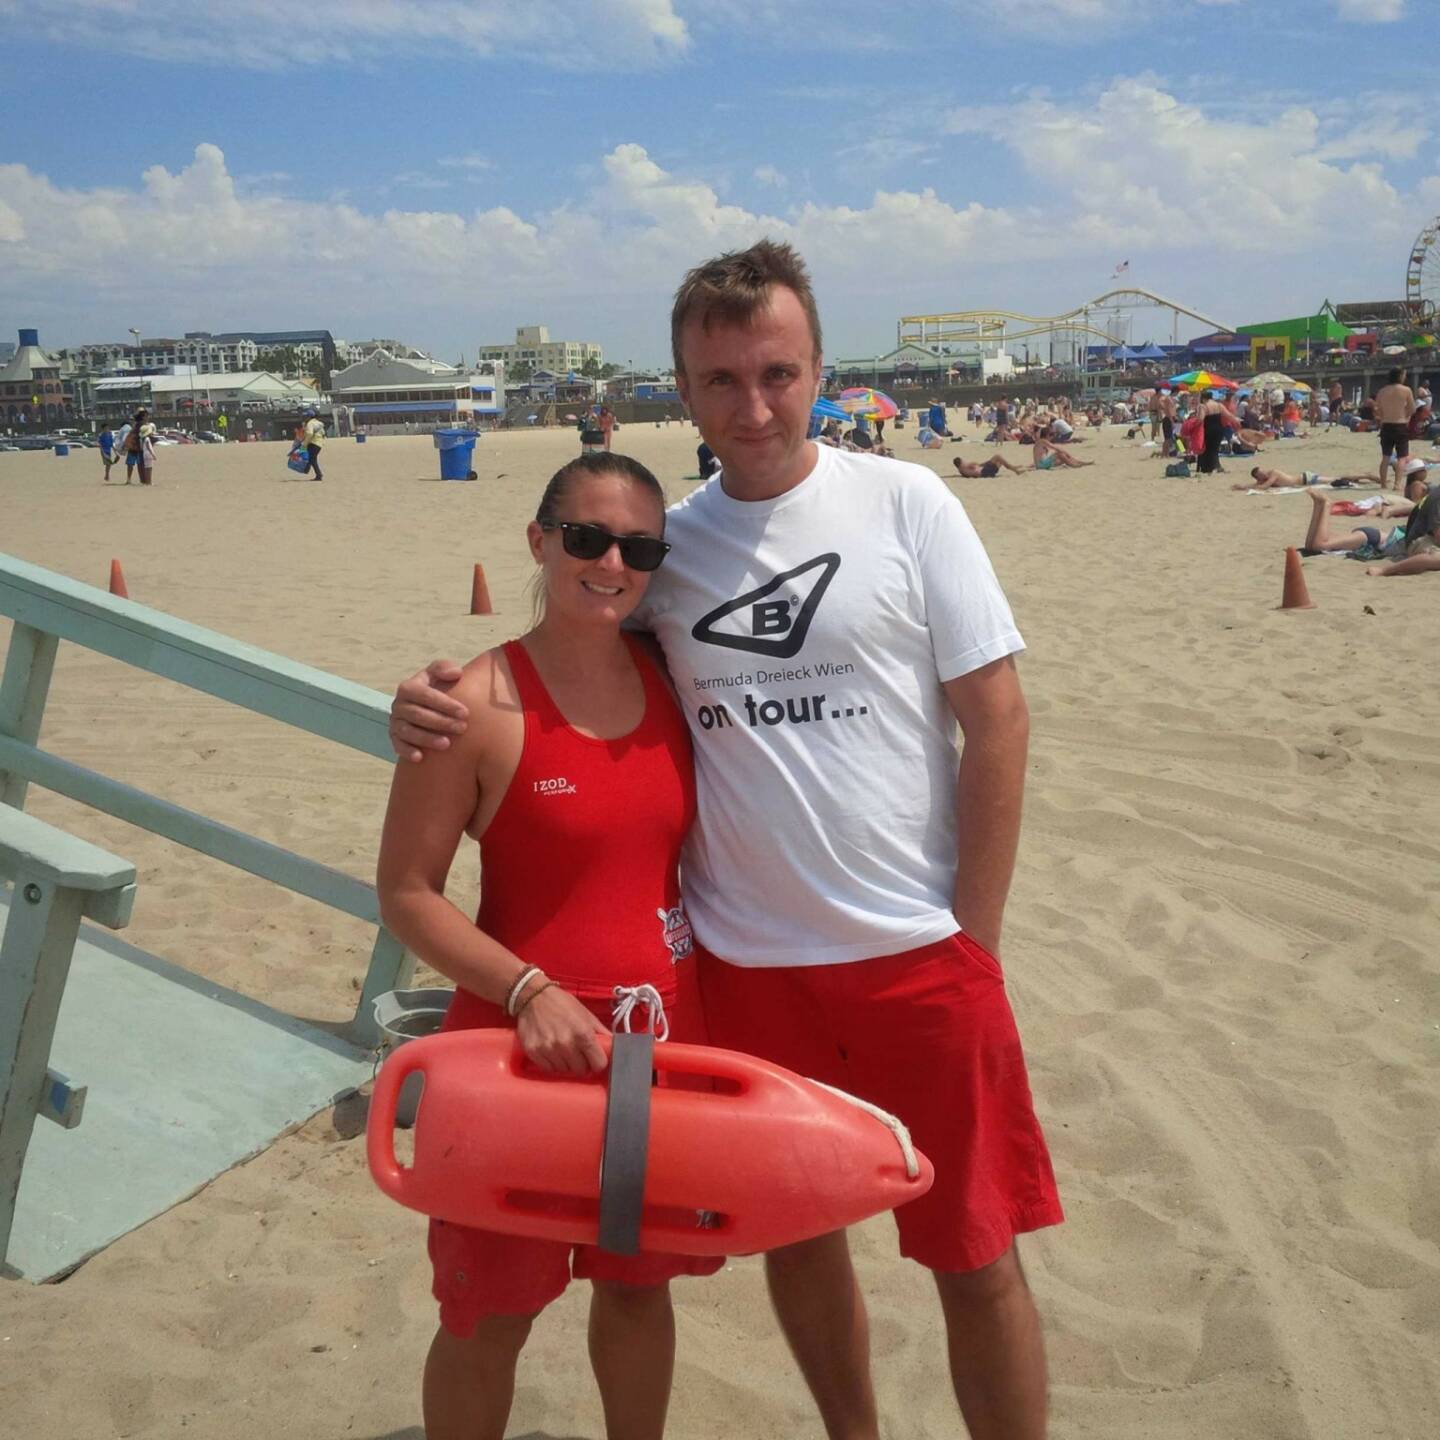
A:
<point x="117" y="581"/>
<point x="480" y="594"/>
<point x="1295" y="596"/>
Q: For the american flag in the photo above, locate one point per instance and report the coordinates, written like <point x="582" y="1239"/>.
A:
<point x="1120" y="269"/>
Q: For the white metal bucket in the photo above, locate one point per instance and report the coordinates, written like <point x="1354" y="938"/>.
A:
<point x="407" y="1015"/>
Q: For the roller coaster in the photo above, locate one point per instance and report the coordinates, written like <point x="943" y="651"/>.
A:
<point x="1104" y="320"/>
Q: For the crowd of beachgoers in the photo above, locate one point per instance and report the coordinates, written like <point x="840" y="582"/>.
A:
<point x="1200" y="425"/>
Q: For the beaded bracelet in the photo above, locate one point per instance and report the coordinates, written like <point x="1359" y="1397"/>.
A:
<point x="524" y="978"/>
<point x="538" y="990"/>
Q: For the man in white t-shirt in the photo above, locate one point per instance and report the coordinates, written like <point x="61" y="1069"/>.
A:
<point x="827" y="619"/>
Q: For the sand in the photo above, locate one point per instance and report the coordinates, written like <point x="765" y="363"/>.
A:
<point x="1221" y="946"/>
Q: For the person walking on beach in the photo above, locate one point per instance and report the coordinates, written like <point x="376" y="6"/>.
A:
<point x="137" y="445"/>
<point x="106" y="442"/>
<point x="1214" y="420"/>
<point x="607" y="425"/>
<point x="580" y="920"/>
<point x="312" y="437"/>
<point x="829" y="620"/>
<point x="1394" y="405"/>
<point x="1167" y="423"/>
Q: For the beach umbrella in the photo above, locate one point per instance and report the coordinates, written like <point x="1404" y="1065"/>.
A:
<point x="828" y="410"/>
<point x="1197" y="380"/>
<point x="872" y="404"/>
<point x="1273" y="379"/>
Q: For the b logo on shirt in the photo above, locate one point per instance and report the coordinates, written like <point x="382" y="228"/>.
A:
<point x="776" y="627"/>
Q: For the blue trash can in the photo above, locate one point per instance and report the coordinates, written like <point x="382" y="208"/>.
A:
<point x="62" y="449"/>
<point x="457" y="448"/>
<point x="360" y="439"/>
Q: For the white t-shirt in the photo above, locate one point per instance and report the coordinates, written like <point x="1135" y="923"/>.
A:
<point x="807" y="637"/>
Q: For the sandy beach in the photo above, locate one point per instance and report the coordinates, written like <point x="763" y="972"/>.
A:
<point x="1221" y="946"/>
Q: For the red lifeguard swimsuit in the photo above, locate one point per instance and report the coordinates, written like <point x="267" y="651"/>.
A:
<point x="580" y="875"/>
<point x="580" y="865"/>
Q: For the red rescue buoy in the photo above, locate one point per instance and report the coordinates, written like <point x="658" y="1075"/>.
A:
<point x="744" y="1156"/>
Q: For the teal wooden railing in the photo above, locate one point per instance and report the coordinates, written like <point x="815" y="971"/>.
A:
<point x="47" y="608"/>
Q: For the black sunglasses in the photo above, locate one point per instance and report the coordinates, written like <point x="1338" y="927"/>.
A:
<point x="590" y="542"/>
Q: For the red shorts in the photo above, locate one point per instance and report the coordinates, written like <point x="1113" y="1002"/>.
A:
<point x="929" y="1036"/>
<point x="480" y="1273"/>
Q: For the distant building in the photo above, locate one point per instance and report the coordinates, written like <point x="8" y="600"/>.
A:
<point x="309" y="344"/>
<point x="211" y="354"/>
<point x="1274" y="343"/>
<point x="908" y="363"/>
<point x="351" y="352"/>
<point x="235" y="351"/>
<point x="195" y="395"/>
<point x="385" y="392"/>
<point x="534" y="347"/>
<point x="31" y="388"/>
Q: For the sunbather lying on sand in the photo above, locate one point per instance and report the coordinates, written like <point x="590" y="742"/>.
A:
<point x="1408" y="549"/>
<point x="1262" y="479"/>
<point x="985" y="469"/>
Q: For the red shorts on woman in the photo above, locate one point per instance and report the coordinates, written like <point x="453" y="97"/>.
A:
<point x="479" y="1273"/>
<point x="929" y="1036"/>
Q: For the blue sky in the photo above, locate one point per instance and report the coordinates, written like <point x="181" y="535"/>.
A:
<point x="444" y="170"/>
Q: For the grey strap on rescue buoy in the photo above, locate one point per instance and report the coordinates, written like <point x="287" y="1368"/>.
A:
<point x="627" y="1143"/>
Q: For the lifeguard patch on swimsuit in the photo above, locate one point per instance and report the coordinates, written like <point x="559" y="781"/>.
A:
<point x="676" y="933"/>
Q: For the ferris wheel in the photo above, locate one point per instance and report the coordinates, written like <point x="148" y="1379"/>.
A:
<point x="1422" y="275"/>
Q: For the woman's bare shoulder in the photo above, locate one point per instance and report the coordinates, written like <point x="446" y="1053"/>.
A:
<point x="486" y="688"/>
<point x="486" y="682"/>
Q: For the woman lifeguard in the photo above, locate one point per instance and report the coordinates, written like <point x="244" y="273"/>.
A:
<point x="574" y="774"/>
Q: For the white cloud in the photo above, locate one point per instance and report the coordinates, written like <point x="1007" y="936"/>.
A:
<point x="769" y="175"/>
<point x="467" y="162"/>
<point x="1370" y="11"/>
<point x="422" y="180"/>
<point x="1150" y="169"/>
<point x="12" y="227"/>
<point x="1133" y="171"/>
<point x="273" y="34"/>
<point x="883" y="153"/>
<point x="1385" y="129"/>
<point x="1059" y="20"/>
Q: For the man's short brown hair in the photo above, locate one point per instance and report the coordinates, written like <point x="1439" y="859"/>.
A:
<point x="735" y="286"/>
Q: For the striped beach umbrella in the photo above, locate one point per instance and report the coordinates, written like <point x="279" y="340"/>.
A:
<point x="1202" y="380"/>
<point x="872" y="404"/>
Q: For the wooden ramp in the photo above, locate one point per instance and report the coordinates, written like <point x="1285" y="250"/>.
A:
<point x="146" y="1081"/>
<point x="185" y="1079"/>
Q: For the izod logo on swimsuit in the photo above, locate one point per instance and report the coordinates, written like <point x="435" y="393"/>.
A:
<point x="559" y="786"/>
<point x="775" y="618"/>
